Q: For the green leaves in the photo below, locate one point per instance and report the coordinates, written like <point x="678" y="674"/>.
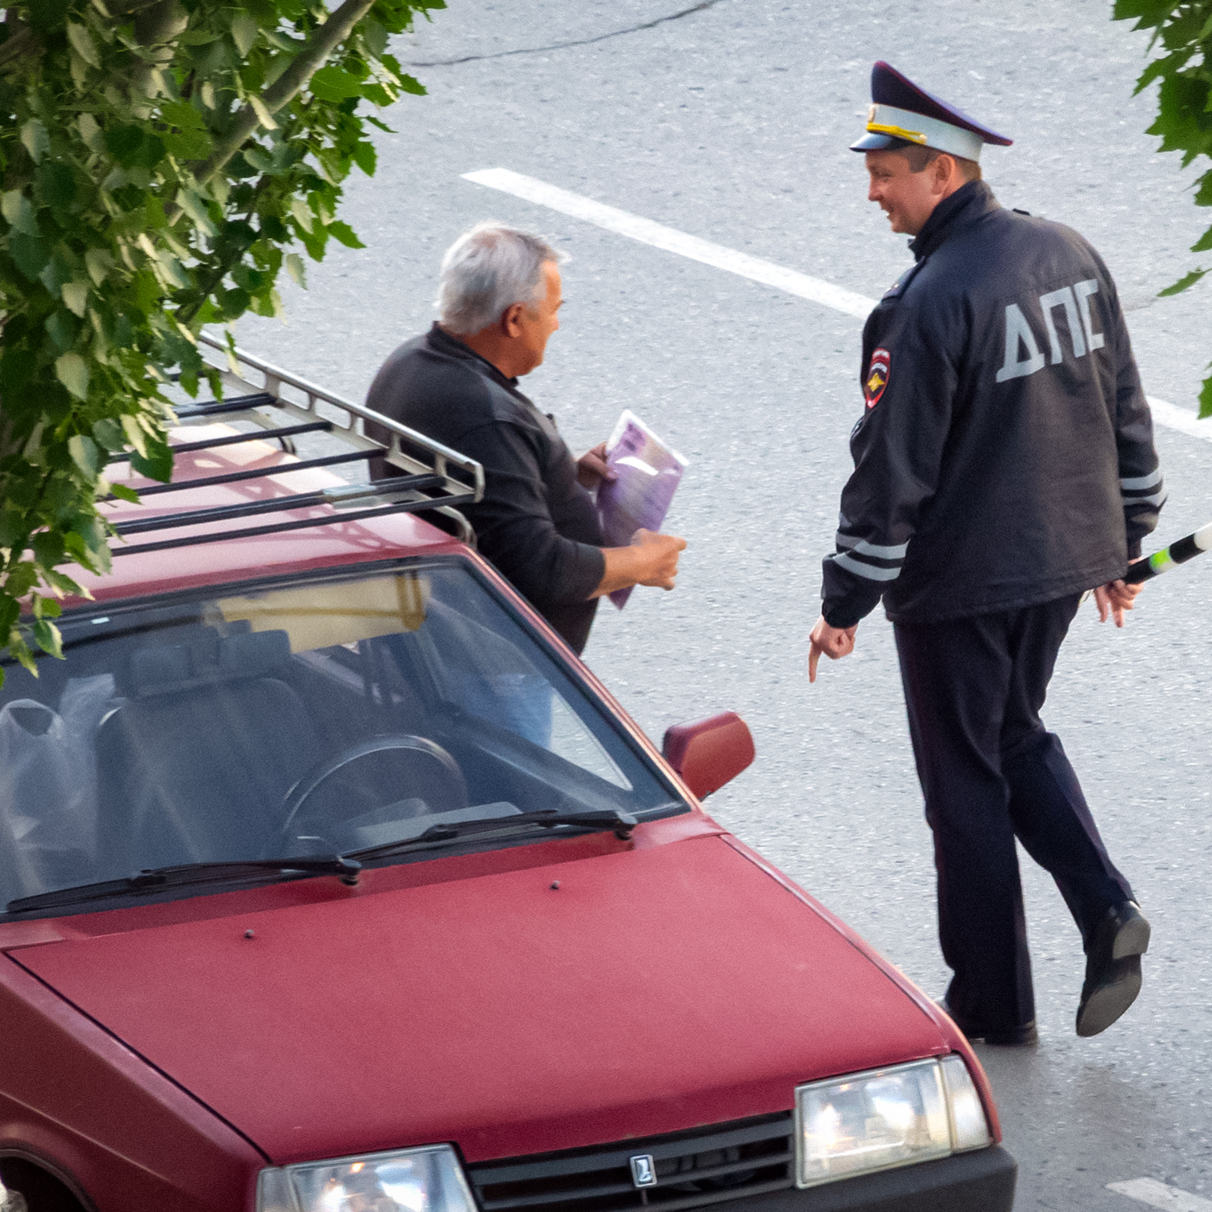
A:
<point x="1182" y="118"/>
<point x="162" y="167"/>
<point x="29" y="254"/>
<point x="72" y="371"/>
<point x="345" y="234"/>
<point x="333" y="84"/>
<point x="123" y="141"/>
<point x="189" y="144"/>
<point x="264" y="117"/>
<point x="55" y="184"/>
<point x="1183" y="72"/>
<point x="1150" y="11"/>
<point x="18" y="212"/>
<point x="35" y="139"/>
<point x="190" y="140"/>
<point x="82" y="43"/>
<point x="157" y="464"/>
<point x="1188" y="280"/>
<point x="75" y="295"/>
<point x="47" y="634"/>
<point x="244" y="32"/>
<point x="84" y="454"/>
<point x="134" y="146"/>
<point x="365" y="157"/>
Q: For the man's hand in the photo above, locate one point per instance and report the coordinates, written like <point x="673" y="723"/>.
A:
<point x="592" y="467"/>
<point x="658" y="558"/>
<point x="651" y="559"/>
<point x="834" y="642"/>
<point x="1114" y="598"/>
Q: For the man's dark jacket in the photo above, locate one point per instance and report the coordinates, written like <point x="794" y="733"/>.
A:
<point x="536" y="523"/>
<point x="1005" y="453"/>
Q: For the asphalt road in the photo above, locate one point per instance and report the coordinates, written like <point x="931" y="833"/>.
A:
<point x="731" y="123"/>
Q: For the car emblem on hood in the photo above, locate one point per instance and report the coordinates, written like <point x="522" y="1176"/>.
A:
<point x="643" y="1171"/>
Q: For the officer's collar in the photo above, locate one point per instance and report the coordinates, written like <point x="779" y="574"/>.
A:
<point x="967" y="203"/>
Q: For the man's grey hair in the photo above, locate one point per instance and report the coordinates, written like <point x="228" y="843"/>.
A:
<point x="487" y="269"/>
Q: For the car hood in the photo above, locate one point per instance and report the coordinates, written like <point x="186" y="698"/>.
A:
<point x="653" y="990"/>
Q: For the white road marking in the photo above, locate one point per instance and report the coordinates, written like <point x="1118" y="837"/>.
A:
<point x="1186" y="422"/>
<point x="669" y="239"/>
<point x="1158" y="1195"/>
<point x="672" y="240"/>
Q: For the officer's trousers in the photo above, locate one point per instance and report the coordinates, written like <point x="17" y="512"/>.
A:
<point x="990" y="772"/>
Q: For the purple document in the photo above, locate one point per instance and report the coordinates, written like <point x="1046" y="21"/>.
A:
<point x="648" y="474"/>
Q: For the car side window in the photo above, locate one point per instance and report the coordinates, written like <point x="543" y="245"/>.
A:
<point x="497" y="681"/>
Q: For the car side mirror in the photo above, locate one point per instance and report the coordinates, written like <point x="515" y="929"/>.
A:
<point x="709" y="753"/>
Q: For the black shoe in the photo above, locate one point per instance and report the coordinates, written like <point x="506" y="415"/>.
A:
<point x="1006" y="1037"/>
<point x="1112" y="968"/>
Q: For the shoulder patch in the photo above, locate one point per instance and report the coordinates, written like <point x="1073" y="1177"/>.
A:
<point x="877" y="376"/>
<point x="1017" y="211"/>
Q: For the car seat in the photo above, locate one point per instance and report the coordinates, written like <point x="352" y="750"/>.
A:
<point x="195" y="765"/>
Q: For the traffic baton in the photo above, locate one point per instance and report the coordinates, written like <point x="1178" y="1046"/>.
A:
<point x="1177" y="553"/>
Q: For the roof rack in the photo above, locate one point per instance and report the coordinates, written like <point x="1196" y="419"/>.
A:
<point x="281" y="407"/>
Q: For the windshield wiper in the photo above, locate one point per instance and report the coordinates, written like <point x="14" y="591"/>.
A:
<point x="185" y="874"/>
<point x="621" y="823"/>
<point x="347" y="866"/>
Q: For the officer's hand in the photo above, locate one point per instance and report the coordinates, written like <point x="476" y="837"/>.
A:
<point x="1113" y="599"/>
<point x="592" y="467"/>
<point x="834" y="642"/>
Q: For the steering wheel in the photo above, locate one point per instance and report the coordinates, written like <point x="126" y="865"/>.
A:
<point x="436" y="770"/>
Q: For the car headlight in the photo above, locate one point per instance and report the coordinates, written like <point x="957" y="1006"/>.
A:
<point x="886" y="1117"/>
<point x="428" y="1179"/>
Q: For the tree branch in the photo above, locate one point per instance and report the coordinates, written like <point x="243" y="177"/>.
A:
<point x="291" y="82"/>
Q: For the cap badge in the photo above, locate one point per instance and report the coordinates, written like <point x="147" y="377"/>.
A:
<point x="877" y="376"/>
<point x="892" y="128"/>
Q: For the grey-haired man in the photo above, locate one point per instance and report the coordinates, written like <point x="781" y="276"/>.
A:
<point x="498" y="303"/>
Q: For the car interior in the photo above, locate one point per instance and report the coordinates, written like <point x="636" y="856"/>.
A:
<point x="179" y="734"/>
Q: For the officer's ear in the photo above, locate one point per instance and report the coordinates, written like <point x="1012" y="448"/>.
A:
<point x="944" y="172"/>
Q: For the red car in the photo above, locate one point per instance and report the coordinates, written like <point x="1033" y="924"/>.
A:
<point x="334" y="882"/>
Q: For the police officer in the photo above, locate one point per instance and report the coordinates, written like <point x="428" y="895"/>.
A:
<point x="1003" y="465"/>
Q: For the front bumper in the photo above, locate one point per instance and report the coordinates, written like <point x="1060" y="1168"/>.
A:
<point x="981" y="1181"/>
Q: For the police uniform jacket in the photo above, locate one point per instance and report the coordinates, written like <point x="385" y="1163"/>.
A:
<point x="536" y="523"/>
<point x="1005" y="452"/>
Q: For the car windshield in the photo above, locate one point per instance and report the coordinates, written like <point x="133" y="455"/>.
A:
<point x="304" y="718"/>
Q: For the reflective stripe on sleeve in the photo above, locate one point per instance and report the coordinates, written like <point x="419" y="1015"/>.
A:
<point x="862" y="547"/>
<point x="870" y="571"/>
<point x="1139" y="483"/>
